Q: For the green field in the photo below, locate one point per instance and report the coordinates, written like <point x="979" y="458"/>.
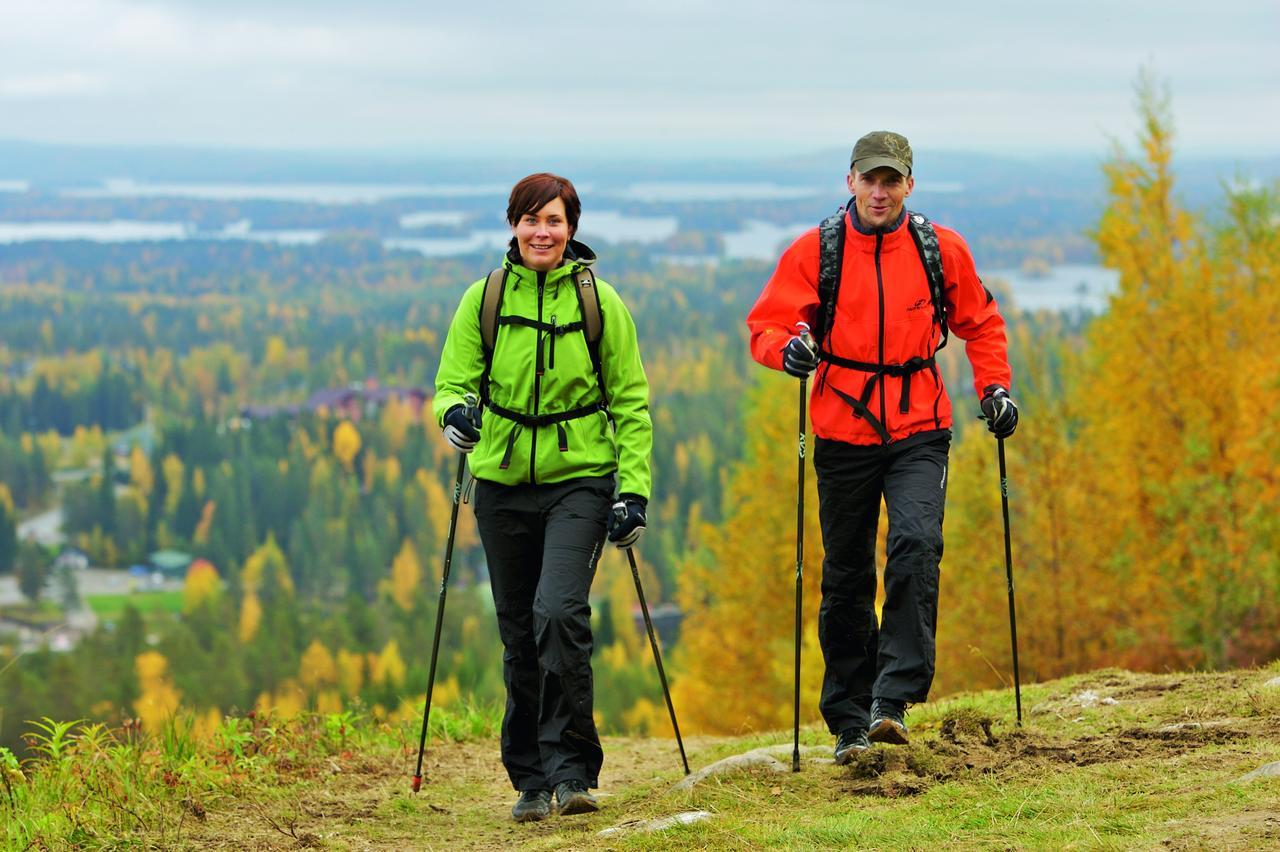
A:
<point x="111" y="607"/>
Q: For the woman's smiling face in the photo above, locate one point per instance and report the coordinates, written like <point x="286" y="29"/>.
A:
<point x="542" y="236"/>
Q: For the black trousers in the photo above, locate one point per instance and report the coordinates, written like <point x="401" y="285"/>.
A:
<point x="895" y="658"/>
<point x="542" y="543"/>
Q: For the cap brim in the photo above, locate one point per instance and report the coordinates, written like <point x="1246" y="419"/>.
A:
<point x="867" y="164"/>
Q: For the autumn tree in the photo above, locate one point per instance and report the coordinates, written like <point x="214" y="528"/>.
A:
<point x="734" y="661"/>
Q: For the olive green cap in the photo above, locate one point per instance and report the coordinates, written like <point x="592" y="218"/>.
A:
<point x="882" y="148"/>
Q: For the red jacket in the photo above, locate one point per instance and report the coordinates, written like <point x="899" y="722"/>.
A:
<point x="884" y="315"/>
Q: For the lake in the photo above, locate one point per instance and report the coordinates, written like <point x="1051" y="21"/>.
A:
<point x="1067" y="287"/>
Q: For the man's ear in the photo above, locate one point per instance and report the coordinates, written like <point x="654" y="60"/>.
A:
<point x="849" y="180"/>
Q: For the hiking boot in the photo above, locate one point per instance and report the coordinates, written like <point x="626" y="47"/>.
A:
<point x="532" y="806"/>
<point x="849" y="743"/>
<point x="572" y="798"/>
<point x="886" y="722"/>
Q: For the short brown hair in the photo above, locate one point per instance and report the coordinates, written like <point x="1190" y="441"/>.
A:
<point x="532" y="193"/>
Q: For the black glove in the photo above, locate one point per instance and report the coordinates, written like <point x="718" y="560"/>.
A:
<point x="626" y="521"/>
<point x="462" y="427"/>
<point x="1000" y="411"/>
<point x="799" y="356"/>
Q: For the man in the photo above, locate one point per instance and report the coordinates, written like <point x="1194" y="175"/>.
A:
<point x="879" y="287"/>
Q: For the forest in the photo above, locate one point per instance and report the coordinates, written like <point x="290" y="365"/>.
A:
<point x="165" y="397"/>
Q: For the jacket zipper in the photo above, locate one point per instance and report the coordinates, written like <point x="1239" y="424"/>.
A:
<point x="880" y="289"/>
<point x="537" y="383"/>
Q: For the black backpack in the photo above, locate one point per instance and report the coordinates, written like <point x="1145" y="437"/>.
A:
<point x="831" y="254"/>
<point x="831" y="234"/>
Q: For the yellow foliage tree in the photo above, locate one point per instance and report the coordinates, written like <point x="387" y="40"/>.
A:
<point x="406" y="576"/>
<point x="351" y="669"/>
<point x="267" y="558"/>
<point x="250" y="616"/>
<point x="1193" y="576"/>
<point x="158" y="699"/>
<point x="346" y="444"/>
<point x="388" y="667"/>
<point x="202" y="584"/>
<point x="317" y="668"/>
<point x="171" y="469"/>
<point x="140" y="472"/>
<point x="734" y="661"/>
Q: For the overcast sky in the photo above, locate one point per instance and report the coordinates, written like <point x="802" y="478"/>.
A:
<point x="662" y="76"/>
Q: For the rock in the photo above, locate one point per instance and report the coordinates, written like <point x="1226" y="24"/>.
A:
<point x="760" y="757"/>
<point x="1268" y="770"/>
<point x="1089" y="698"/>
<point x="660" y="824"/>
<point x="1274" y="682"/>
<point x="1180" y="726"/>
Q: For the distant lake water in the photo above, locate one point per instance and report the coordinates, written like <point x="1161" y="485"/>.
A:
<point x="117" y="231"/>
<point x="678" y="191"/>
<point x="315" y="193"/>
<point x="126" y="231"/>
<point x="1063" y="288"/>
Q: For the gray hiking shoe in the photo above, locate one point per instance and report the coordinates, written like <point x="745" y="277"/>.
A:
<point x="850" y="743"/>
<point x="886" y="722"/>
<point x="533" y="805"/>
<point x="572" y="798"/>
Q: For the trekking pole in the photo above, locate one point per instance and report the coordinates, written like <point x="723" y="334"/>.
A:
<point x="1008" y="564"/>
<point x="657" y="656"/>
<point x="444" y="586"/>
<point x="803" y="431"/>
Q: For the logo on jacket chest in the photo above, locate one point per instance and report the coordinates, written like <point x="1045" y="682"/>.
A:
<point x="918" y="305"/>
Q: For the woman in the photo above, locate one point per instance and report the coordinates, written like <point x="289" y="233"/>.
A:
<point x="551" y="352"/>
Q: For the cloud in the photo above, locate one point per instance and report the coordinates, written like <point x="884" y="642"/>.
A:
<point x="58" y="84"/>
<point x="628" y="73"/>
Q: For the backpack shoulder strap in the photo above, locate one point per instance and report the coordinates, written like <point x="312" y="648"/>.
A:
<point x="830" y="255"/>
<point x="926" y="239"/>
<point x="592" y="325"/>
<point x="490" y="304"/>
<point x="589" y="299"/>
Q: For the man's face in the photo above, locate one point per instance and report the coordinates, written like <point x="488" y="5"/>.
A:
<point x="879" y="195"/>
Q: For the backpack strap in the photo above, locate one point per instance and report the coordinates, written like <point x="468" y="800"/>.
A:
<point x="926" y="239"/>
<point x="830" y="254"/>
<point x="490" y="304"/>
<point x="592" y="326"/>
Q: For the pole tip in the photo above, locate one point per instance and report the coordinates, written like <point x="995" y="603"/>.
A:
<point x="417" y="783"/>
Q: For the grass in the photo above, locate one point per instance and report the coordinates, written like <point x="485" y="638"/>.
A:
<point x="39" y="615"/>
<point x="1105" y="760"/>
<point x="111" y="607"/>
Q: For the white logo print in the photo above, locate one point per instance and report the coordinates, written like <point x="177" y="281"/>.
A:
<point x="943" y="484"/>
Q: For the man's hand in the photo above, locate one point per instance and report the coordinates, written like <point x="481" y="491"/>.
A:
<point x="627" y="520"/>
<point x="462" y="427"/>
<point x="1000" y="411"/>
<point x="800" y="356"/>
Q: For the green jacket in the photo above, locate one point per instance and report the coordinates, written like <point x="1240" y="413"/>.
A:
<point x="568" y="382"/>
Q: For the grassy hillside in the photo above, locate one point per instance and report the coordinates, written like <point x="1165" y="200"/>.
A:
<point x="1110" y="759"/>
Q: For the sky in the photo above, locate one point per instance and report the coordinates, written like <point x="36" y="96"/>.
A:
<point x="662" y="77"/>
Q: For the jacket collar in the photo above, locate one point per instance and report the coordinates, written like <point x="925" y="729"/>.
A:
<point x="865" y="238"/>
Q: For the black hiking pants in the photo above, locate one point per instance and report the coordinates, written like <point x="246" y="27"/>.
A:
<point x="895" y="658"/>
<point x="542" y="543"/>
